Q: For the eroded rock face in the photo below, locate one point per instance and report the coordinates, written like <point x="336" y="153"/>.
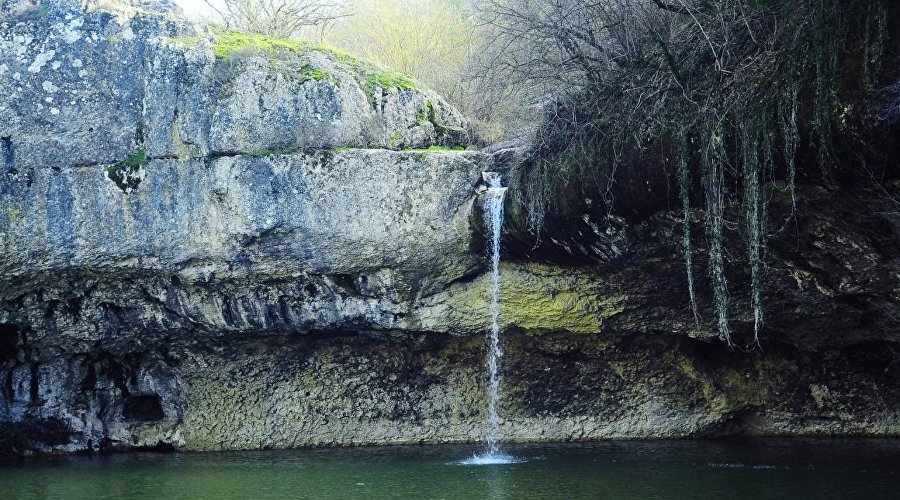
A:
<point x="343" y="212"/>
<point x="197" y="252"/>
<point x="343" y="240"/>
<point x="343" y="389"/>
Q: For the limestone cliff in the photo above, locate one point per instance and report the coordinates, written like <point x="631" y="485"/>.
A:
<point x="211" y="240"/>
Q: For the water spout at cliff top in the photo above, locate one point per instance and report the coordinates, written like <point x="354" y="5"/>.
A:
<point x="493" y="218"/>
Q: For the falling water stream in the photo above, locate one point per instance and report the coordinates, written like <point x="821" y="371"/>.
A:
<point x="493" y="218"/>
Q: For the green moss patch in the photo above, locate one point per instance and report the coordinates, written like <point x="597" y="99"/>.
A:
<point x="385" y="80"/>
<point x="390" y="80"/>
<point x="344" y="58"/>
<point x="369" y="74"/>
<point x="127" y="173"/>
<point x="537" y="298"/>
<point x="227" y="43"/>
<point x="284" y="54"/>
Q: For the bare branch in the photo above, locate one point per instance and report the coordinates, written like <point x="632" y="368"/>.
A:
<point x="280" y="18"/>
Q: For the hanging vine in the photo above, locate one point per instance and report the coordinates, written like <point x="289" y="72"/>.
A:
<point x="735" y="91"/>
<point x="684" y="188"/>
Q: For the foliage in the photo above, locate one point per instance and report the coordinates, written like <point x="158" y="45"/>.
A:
<point x="279" y="18"/>
<point x="437" y="43"/>
<point x="730" y="95"/>
<point x="427" y="39"/>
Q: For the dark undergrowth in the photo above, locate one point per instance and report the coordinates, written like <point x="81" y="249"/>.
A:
<point x="701" y="106"/>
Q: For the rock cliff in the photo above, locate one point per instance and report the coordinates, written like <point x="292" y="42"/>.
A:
<point x="211" y="240"/>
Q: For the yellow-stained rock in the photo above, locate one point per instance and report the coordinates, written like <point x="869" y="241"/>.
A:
<point x="532" y="297"/>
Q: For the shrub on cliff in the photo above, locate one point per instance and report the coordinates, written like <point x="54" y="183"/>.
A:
<point x="723" y="97"/>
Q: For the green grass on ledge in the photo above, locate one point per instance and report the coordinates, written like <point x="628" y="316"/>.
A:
<point x="284" y="53"/>
<point x="436" y="148"/>
<point x="390" y="80"/>
<point x="227" y="44"/>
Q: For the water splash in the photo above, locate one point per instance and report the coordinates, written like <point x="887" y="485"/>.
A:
<point x="492" y="459"/>
<point x="493" y="218"/>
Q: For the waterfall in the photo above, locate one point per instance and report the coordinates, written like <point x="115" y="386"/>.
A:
<point x="493" y="222"/>
<point x="493" y="218"/>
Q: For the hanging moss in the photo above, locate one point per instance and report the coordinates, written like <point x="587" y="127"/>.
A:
<point x="774" y="96"/>
<point x="684" y="188"/>
<point x="755" y="142"/>
<point x="714" y="187"/>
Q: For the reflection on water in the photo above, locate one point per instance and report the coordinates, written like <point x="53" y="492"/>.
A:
<point x="496" y="483"/>
<point x="752" y="469"/>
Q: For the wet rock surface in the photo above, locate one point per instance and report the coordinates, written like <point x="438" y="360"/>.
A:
<point x="345" y="389"/>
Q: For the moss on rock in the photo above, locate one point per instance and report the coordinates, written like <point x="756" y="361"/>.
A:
<point x="127" y="174"/>
<point x="286" y="55"/>
<point x="390" y="80"/>
<point x="532" y="297"/>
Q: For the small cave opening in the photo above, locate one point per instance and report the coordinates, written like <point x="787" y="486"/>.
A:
<point x="9" y="340"/>
<point x="159" y="447"/>
<point x="143" y="408"/>
<point x="347" y="282"/>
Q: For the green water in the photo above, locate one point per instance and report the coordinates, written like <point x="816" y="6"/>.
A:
<point x="752" y="469"/>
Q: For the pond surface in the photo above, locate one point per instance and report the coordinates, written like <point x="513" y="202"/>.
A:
<point x="752" y="469"/>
